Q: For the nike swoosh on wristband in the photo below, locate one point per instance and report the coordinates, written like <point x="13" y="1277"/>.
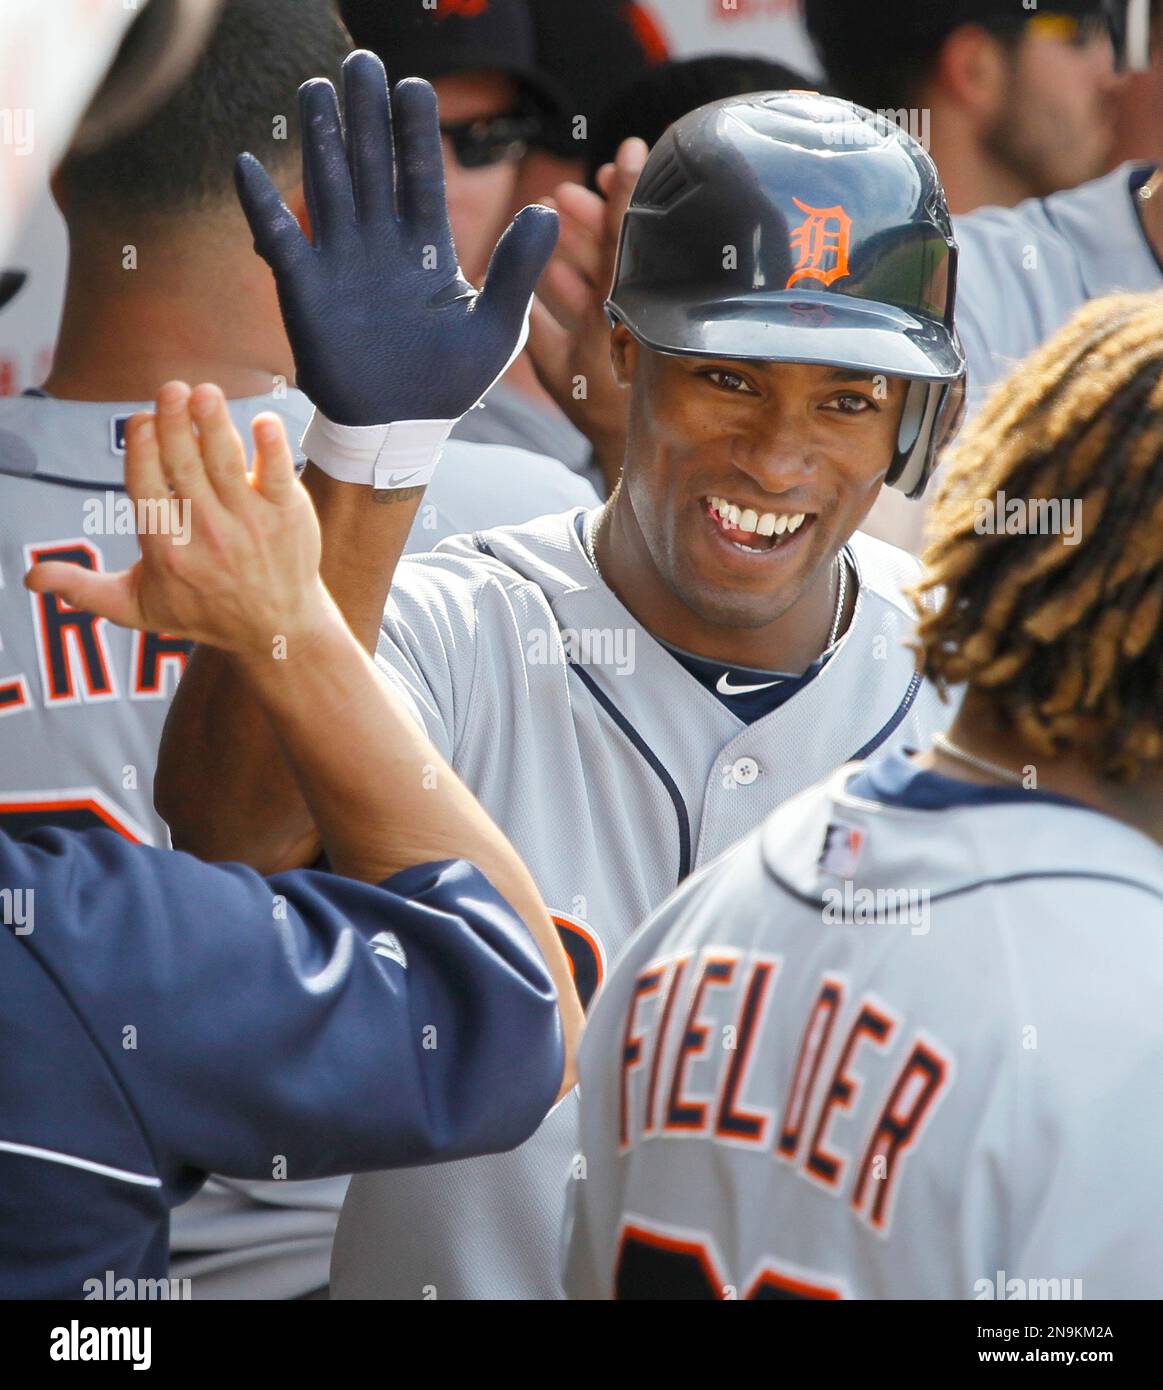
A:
<point x="724" y="686"/>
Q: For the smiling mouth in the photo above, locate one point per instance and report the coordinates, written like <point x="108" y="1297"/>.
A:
<point x="752" y="531"/>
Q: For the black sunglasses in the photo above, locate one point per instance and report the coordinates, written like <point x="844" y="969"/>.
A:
<point x="491" y="139"/>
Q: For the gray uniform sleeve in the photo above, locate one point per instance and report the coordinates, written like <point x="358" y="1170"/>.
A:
<point x="1019" y="282"/>
<point x="443" y="607"/>
<point x="427" y="649"/>
<point x="1023" y="272"/>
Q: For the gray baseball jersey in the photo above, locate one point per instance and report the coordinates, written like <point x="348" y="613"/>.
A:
<point x="615" y="773"/>
<point x="1022" y="272"/>
<point x="83" y="703"/>
<point x="902" y="1042"/>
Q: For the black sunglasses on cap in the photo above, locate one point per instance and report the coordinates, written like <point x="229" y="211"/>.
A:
<point x="491" y="139"/>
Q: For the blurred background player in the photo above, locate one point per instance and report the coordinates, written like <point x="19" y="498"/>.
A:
<point x="1139" y="119"/>
<point x="940" y="972"/>
<point x="629" y="689"/>
<point x="165" y="1018"/>
<point x="163" y="283"/>
<point x="647" y="106"/>
<point x="1011" y="101"/>
<point x="595" y="52"/>
<point x="1022" y="272"/>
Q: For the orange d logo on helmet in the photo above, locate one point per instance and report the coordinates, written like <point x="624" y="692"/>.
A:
<point x="822" y="241"/>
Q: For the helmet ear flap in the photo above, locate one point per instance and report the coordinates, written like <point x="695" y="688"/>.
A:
<point x="932" y="415"/>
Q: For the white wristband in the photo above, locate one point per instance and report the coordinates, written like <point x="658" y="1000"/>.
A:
<point x="402" y="454"/>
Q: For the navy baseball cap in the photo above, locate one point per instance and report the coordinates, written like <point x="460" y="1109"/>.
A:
<point x="458" y="36"/>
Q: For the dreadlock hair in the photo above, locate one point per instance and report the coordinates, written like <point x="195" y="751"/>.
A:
<point x="1063" y="639"/>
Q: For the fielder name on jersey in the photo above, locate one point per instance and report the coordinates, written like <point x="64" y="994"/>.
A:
<point x="614" y="780"/>
<point x="783" y="1102"/>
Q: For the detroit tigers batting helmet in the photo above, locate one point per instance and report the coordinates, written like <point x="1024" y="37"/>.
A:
<point x="794" y="227"/>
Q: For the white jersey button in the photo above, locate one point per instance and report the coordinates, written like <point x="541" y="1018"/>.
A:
<point x="744" y="771"/>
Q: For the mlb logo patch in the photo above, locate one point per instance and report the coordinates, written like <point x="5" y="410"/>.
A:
<point x="842" y="846"/>
<point x="117" y="424"/>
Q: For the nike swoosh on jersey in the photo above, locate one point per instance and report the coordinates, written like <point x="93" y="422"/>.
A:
<point x="397" y="479"/>
<point x="724" y="686"/>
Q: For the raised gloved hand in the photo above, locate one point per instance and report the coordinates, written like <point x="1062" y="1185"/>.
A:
<point x="383" y="325"/>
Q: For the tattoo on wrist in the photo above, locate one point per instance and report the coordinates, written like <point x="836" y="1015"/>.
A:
<point x="385" y="497"/>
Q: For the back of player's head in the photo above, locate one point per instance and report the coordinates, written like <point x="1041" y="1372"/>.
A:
<point x="881" y="53"/>
<point x="1047" y="544"/>
<point x="241" y="95"/>
<point x="654" y="101"/>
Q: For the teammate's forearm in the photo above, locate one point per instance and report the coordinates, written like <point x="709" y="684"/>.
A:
<point x="364" y="535"/>
<point x="379" y="792"/>
<point x="223" y="785"/>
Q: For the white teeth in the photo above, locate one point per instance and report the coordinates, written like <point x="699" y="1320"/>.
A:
<point x="761" y="523"/>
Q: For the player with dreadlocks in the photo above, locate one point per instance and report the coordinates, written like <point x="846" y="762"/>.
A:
<point x="1063" y="642"/>
<point x="943" y="970"/>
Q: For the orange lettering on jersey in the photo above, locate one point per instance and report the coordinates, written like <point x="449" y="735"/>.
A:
<point x="732" y="1123"/>
<point x="156" y="654"/>
<point x="924" y="1078"/>
<point x="645" y="986"/>
<point x="813" y="1045"/>
<point x="583" y="951"/>
<point x="661" y="1033"/>
<point x="71" y="645"/>
<point x="683" y="1112"/>
<point x="13" y="690"/>
<point x="66" y="810"/>
<point x="14" y="695"/>
<point x="873" y="1025"/>
<point x="822" y="242"/>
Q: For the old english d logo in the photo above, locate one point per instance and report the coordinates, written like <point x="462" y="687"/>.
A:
<point x="821" y="241"/>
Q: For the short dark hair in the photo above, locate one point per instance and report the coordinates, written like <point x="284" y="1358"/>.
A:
<point x="182" y="157"/>
<point x="881" y="55"/>
<point x="664" y="94"/>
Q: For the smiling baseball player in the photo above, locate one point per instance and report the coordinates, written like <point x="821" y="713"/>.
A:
<point x="904" y="1041"/>
<point x="628" y="690"/>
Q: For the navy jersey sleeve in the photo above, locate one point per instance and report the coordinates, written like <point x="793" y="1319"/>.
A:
<point x="294" y="1027"/>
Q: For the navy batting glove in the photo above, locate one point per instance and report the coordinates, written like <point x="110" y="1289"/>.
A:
<point x="381" y="321"/>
